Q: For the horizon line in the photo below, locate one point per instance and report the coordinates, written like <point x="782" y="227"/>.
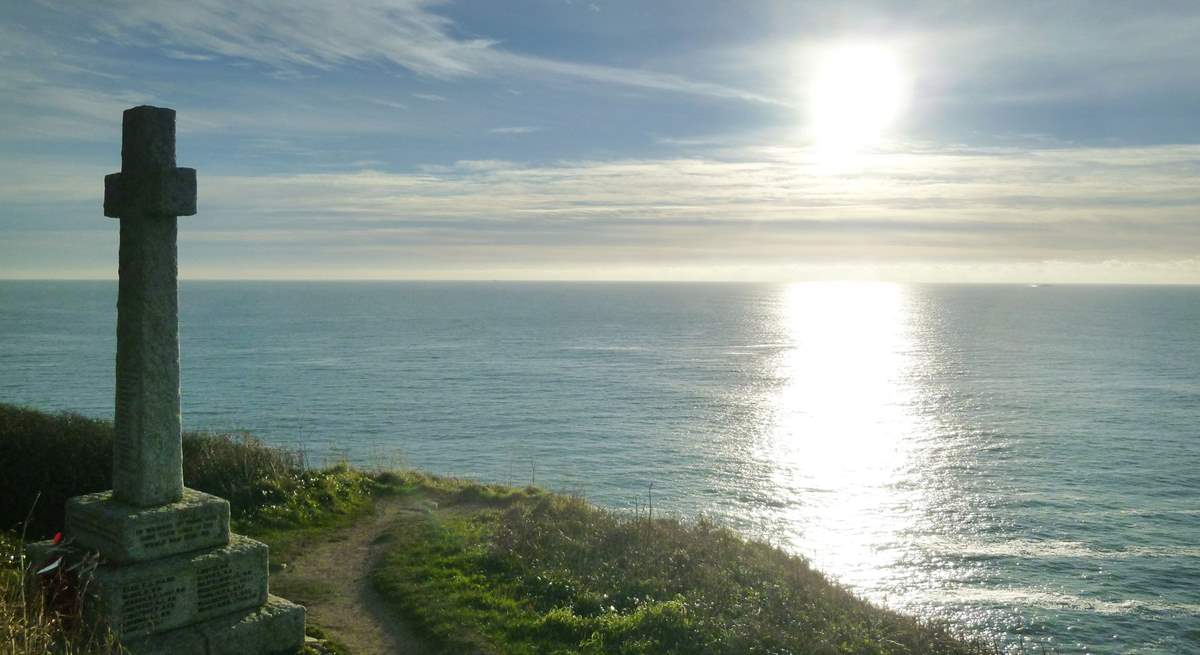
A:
<point x="1035" y="283"/>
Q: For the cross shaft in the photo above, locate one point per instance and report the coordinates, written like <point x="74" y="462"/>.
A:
<point x="147" y="195"/>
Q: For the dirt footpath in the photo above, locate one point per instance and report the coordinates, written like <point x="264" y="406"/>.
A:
<point x="332" y="578"/>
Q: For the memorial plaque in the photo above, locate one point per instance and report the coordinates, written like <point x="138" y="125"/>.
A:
<point x="123" y="533"/>
<point x="139" y="599"/>
<point x="150" y="602"/>
<point x="276" y="627"/>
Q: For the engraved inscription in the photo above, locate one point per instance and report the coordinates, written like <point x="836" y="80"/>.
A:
<point x="221" y="585"/>
<point x="171" y="530"/>
<point x="147" y="603"/>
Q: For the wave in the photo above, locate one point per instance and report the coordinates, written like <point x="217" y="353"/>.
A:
<point x="1056" y="600"/>
<point x="1050" y="549"/>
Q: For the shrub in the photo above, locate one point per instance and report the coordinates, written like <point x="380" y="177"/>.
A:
<point x="47" y="459"/>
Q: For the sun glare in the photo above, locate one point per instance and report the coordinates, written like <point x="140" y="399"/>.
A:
<point x="858" y="92"/>
<point x="845" y="428"/>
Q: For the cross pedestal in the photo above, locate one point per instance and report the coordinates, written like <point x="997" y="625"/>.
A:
<point x="172" y="578"/>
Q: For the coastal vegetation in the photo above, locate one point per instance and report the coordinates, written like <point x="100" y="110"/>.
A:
<point x="480" y="568"/>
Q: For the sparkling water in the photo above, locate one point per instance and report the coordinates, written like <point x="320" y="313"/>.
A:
<point x="1021" y="461"/>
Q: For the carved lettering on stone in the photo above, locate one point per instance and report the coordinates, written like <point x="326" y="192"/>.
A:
<point x="147" y="603"/>
<point x="221" y="585"/>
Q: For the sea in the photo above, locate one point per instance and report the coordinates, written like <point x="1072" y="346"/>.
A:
<point x="1021" y="461"/>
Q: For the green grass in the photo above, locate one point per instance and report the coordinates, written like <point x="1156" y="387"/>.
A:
<point x="542" y="573"/>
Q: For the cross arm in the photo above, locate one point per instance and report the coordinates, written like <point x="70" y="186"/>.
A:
<point x="168" y="193"/>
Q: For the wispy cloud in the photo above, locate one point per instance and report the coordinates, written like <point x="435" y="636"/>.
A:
<point x="294" y="35"/>
<point x="516" y="129"/>
<point x="1083" y="205"/>
<point x="46" y="91"/>
<point x="300" y="33"/>
<point x="1098" y="213"/>
<point x="630" y="77"/>
<point x="38" y="109"/>
<point x="187" y="56"/>
<point x="388" y="103"/>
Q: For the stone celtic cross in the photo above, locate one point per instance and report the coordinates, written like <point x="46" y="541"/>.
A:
<point x="147" y="195"/>
<point x="171" y="578"/>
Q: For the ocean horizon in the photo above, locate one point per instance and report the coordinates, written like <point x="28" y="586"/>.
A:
<point x="1019" y="460"/>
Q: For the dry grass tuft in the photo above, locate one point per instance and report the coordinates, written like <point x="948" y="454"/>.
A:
<point x="43" y="618"/>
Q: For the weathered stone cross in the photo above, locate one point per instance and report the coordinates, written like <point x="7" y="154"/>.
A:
<point x="171" y="578"/>
<point x="147" y="195"/>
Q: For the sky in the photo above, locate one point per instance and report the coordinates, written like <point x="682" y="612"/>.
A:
<point x="602" y="140"/>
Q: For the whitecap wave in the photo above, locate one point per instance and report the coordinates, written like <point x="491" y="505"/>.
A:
<point x="1055" y="600"/>
<point x="1057" y="548"/>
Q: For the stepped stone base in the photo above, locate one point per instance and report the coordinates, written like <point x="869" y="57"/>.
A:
<point x="244" y="621"/>
<point x="124" y="533"/>
<point x="139" y="599"/>
<point x="276" y="628"/>
<point x="172" y="579"/>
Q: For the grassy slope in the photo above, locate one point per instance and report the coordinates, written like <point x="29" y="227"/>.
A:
<point x="493" y="569"/>
<point x="497" y="570"/>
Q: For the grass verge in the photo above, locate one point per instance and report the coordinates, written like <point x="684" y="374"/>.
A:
<point x="520" y="572"/>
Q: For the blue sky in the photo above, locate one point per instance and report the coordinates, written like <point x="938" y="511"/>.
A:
<point x="575" y="139"/>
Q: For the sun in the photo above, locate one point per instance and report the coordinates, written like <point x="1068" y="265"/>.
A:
<point x="858" y="91"/>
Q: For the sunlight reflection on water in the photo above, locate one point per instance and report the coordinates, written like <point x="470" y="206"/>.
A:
<point x="844" y="429"/>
